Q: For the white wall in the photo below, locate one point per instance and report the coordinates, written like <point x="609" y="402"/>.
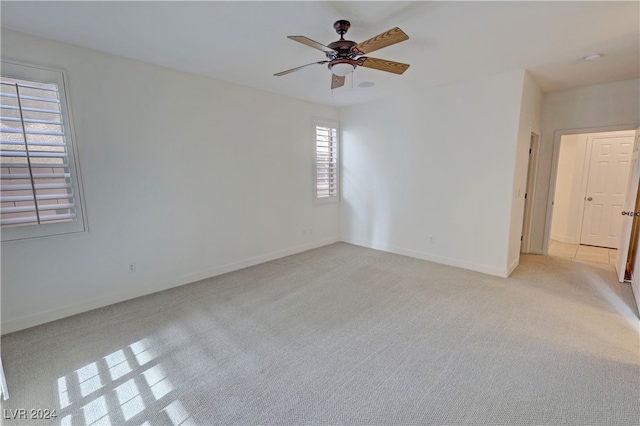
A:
<point x="564" y="226"/>
<point x="188" y="177"/>
<point x="605" y="107"/>
<point x="529" y="121"/>
<point x="430" y="173"/>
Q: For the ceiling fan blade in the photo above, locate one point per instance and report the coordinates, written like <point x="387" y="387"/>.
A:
<point x="297" y="68"/>
<point x="393" y="36"/>
<point x="336" y="81"/>
<point x="383" y="65"/>
<point x="314" y="44"/>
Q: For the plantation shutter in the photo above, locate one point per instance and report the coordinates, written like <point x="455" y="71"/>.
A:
<point x="326" y="173"/>
<point x="36" y="179"/>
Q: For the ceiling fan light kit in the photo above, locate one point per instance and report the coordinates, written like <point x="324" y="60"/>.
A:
<point x="341" y="68"/>
<point x="343" y="56"/>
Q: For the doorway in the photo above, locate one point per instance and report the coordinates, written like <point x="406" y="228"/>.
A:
<point x="590" y="188"/>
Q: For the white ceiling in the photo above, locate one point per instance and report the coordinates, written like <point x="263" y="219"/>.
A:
<point x="245" y="42"/>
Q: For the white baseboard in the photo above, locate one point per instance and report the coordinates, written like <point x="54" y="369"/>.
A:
<point x="513" y="266"/>
<point x="20" y="323"/>
<point x="485" y="269"/>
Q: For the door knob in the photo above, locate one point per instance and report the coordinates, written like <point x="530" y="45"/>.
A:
<point x="590" y="198"/>
<point x="630" y="213"/>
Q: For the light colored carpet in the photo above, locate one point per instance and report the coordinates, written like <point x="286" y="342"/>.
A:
<point x="345" y="335"/>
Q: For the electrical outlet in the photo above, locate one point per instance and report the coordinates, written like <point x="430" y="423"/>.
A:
<point x="132" y="267"/>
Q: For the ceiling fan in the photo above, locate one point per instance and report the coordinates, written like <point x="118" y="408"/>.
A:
<point x="343" y="56"/>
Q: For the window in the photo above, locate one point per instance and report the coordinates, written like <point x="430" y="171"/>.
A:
<point x="38" y="175"/>
<point x="326" y="182"/>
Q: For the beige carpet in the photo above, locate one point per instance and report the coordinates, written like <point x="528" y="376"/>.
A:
<point x="344" y="335"/>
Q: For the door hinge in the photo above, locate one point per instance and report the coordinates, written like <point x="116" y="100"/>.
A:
<point x="529" y="150"/>
<point x="521" y="237"/>
<point x="525" y="195"/>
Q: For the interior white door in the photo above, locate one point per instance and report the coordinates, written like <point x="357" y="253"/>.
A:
<point x="626" y="221"/>
<point x="606" y="189"/>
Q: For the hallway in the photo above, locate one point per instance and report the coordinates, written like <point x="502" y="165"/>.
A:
<point x="583" y="253"/>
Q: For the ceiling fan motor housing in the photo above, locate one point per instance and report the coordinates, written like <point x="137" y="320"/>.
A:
<point x="344" y="48"/>
<point x="344" y="55"/>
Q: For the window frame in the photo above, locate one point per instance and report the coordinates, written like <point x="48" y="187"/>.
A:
<point x="35" y="73"/>
<point x="334" y="124"/>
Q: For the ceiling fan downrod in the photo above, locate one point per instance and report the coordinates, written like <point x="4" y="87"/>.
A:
<point x="342" y="27"/>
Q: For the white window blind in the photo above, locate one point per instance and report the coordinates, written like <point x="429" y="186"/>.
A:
<point x="326" y="173"/>
<point x="38" y="186"/>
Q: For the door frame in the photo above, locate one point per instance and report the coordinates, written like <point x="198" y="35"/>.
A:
<point x="554" y="170"/>
<point x="628" y="239"/>
<point x="635" y="281"/>
<point x="530" y="188"/>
